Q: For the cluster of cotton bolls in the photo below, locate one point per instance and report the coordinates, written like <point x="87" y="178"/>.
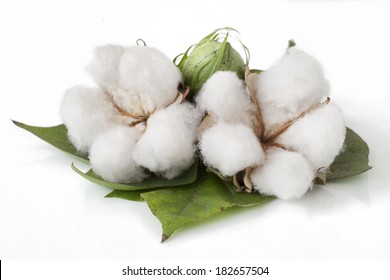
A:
<point x="132" y="123"/>
<point x="301" y="132"/>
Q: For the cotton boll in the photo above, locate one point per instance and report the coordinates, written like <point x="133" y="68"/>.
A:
<point x="147" y="81"/>
<point x="140" y="79"/>
<point x="318" y="136"/>
<point x="290" y="87"/>
<point x="284" y="174"/>
<point x="167" y="147"/>
<point x="111" y="155"/>
<point x="225" y="96"/>
<point x="104" y="65"/>
<point x="230" y="148"/>
<point x="87" y="112"/>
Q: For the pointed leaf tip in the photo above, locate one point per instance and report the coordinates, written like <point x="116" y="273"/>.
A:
<point x="164" y="238"/>
<point x="353" y="160"/>
<point x="206" y="197"/>
<point x="57" y="136"/>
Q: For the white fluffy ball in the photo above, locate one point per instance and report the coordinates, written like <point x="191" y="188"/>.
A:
<point x="86" y="112"/>
<point x="230" y="148"/>
<point x="290" y="87"/>
<point x="318" y="136"/>
<point x="111" y="155"/>
<point x="104" y="66"/>
<point x="284" y="174"/>
<point x="167" y="147"/>
<point x="141" y="79"/>
<point x="225" y="95"/>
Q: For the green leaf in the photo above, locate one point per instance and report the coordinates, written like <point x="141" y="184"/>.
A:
<point x="207" y="196"/>
<point x="55" y="135"/>
<point x="128" y="195"/>
<point x="354" y="159"/>
<point x="152" y="182"/>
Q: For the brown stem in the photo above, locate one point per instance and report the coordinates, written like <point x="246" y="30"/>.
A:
<point x="144" y="117"/>
<point x="283" y="128"/>
<point x="268" y="145"/>
<point x="134" y="123"/>
<point x="125" y="113"/>
<point x="250" y="80"/>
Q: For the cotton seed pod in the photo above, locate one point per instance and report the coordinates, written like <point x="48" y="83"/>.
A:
<point x="168" y="146"/>
<point x="225" y="97"/>
<point x="284" y="174"/>
<point x="230" y="148"/>
<point x="318" y="136"/>
<point x="210" y="55"/>
<point x="111" y="155"/>
<point x="140" y="79"/>
<point x="290" y="87"/>
<point x="86" y="113"/>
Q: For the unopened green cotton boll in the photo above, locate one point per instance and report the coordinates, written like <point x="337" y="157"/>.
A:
<point x="210" y="55"/>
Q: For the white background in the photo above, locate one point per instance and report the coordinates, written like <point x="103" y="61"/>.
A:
<point x="49" y="212"/>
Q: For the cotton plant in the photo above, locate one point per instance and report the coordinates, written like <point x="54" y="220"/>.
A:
<point x="203" y="133"/>
<point x="135" y="121"/>
<point x="279" y="129"/>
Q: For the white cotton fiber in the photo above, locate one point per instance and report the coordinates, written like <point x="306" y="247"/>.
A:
<point x="104" y="66"/>
<point x="318" y="136"/>
<point x="284" y="174"/>
<point x="167" y="147"/>
<point x="230" y="148"/>
<point x="225" y="96"/>
<point x="290" y="87"/>
<point x="111" y="155"/>
<point x="86" y="112"/>
<point x="141" y="79"/>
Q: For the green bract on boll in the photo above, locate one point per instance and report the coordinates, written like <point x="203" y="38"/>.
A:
<point x="213" y="53"/>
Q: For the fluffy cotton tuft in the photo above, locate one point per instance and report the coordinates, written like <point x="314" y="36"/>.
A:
<point x="225" y="96"/>
<point x="104" y="66"/>
<point x="86" y="112"/>
<point x="290" y="87"/>
<point x="319" y="136"/>
<point x="140" y="79"/>
<point x="111" y="155"/>
<point x="284" y="174"/>
<point x="230" y="148"/>
<point x="168" y="145"/>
